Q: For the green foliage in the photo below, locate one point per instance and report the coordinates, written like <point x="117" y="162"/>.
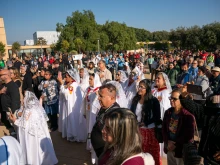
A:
<point x="82" y="33"/>
<point x="65" y="45"/>
<point x="16" y="47"/>
<point x="73" y="52"/>
<point x="2" y="49"/>
<point x="41" y="41"/>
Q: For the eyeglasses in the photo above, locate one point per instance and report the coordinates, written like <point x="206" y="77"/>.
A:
<point x="141" y="87"/>
<point x="173" y="98"/>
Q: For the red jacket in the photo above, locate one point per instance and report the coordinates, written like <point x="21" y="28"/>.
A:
<point x="184" y="133"/>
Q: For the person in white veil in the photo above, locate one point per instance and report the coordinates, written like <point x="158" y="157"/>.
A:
<point x="120" y="95"/>
<point x="131" y="87"/>
<point x="122" y="78"/>
<point x="11" y="152"/>
<point x="33" y="133"/>
<point x="161" y="89"/>
<point x="84" y="79"/>
<point x="69" y="108"/>
<point x="90" y="108"/>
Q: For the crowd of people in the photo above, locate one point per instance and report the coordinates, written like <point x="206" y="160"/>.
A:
<point x="105" y="101"/>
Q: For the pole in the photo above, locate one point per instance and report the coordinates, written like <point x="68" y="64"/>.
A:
<point x="98" y="46"/>
<point x="41" y="48"/>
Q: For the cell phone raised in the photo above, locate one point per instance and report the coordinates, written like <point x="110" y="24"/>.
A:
<point x="9" y="109"/>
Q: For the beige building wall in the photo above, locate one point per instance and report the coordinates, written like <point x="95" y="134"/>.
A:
<point x="3" y="36"/>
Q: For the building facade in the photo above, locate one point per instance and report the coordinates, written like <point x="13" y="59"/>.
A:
<point x="50" y="36"/>
<point x="29" y="42"/>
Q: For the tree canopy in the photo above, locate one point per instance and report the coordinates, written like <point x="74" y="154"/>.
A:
<point x="16" y="47"/>
<point x="81" y="33"/>
<point x="41" y="41"/>
<point x="2" y="49"/>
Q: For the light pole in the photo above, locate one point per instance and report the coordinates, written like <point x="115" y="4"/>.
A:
<point x="98" y="45"/>
<point x="41" y="47"/>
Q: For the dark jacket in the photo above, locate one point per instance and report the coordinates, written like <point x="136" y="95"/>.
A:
<point x="215" y="84"/>
<point x="96" y="134"/>
<point x="150" y="112"/>
<point x="172" y="75"/>
<point x="11" y="99"/>
<point x="209" y="117"/>
<point x="184" y="132"/>
<point x="27" y="82"/>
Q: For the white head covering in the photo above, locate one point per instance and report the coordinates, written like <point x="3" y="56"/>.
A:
<point x="167" y="82"/>
<point x="11" y="152"/>
<point x="97" y="82"/>
<point x="139" y="73"/>
<point x="74" y="74"/>
<point x="120" y="94"/>
<point x="34" y="117"/>
<point x="123" y="76"/>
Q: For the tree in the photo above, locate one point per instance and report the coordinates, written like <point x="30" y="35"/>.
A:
<point x="120" y="36"/>
<point x="209" y="39"/>
<point x="78" y="44"/>
<point x="53" y="47"/>
<point x="81" y="26"/>
<point x="65" y="45"/>
<point x="41" y="41"/>
<point x="2" y="49"/>
<point x="16" y="47"/>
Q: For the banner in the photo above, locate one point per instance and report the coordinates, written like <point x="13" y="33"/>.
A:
<point x="77" y="56"/>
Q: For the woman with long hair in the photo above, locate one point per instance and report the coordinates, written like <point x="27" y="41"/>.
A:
<point x="123" y="141"/>
<point x="161" y="90"/>
<point x="147" y="109"/>
<point x="15" y="76"/>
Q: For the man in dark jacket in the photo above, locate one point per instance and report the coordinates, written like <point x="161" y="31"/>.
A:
<point x="107" y="100"/>
<point x="10" y="98"/>
<point x="27" y="79"/>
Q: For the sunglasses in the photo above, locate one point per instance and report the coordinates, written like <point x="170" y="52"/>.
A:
<point x="173" y="98"/>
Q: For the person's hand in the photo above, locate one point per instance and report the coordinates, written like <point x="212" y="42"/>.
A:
<point x="171" y="145"/>
<point x="3" y="90"/>
<point x="159" y="98"/>
<point x="101" y="75"/>
<point x="19" y="114"/>
<point x="192" y="82"/>
<point x="217" y="156"/>
<point x="46" y="85"/>
<point x="12" y="117"/>
<point x="60" y="80"/>
<point x="179" y="85"/>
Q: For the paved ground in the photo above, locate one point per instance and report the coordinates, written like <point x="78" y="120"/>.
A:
<point x="68" y="153"/>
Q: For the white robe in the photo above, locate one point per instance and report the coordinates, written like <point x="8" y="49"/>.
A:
<point x="69" y="114"/>
<point x="36" y="148"/>
<point x="130" y="92"/>
<point x="90" y="109"/>
<point x="15" y="155"/>
<point x="164" y="105"/>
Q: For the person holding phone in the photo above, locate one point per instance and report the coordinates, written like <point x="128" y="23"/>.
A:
<point x="10" y="98"/>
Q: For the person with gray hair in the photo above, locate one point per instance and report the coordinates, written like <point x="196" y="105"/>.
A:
<point x="104" y="73"/>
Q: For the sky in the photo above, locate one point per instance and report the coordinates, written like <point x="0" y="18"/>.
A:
<point x="24" y="17"/>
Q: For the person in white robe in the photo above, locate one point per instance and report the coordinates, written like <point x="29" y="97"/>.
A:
<point x="69" y="108"/>
<point x="120" y="95"/>
<point x="131" y="87"/>
<point x="161" y="89"/>
<point x="33" y="133"/>
<point x="90" y="108"/>
<point x="84" y="80"/>
<point x="11" y="152"/>
<point x="122" y="78"/>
